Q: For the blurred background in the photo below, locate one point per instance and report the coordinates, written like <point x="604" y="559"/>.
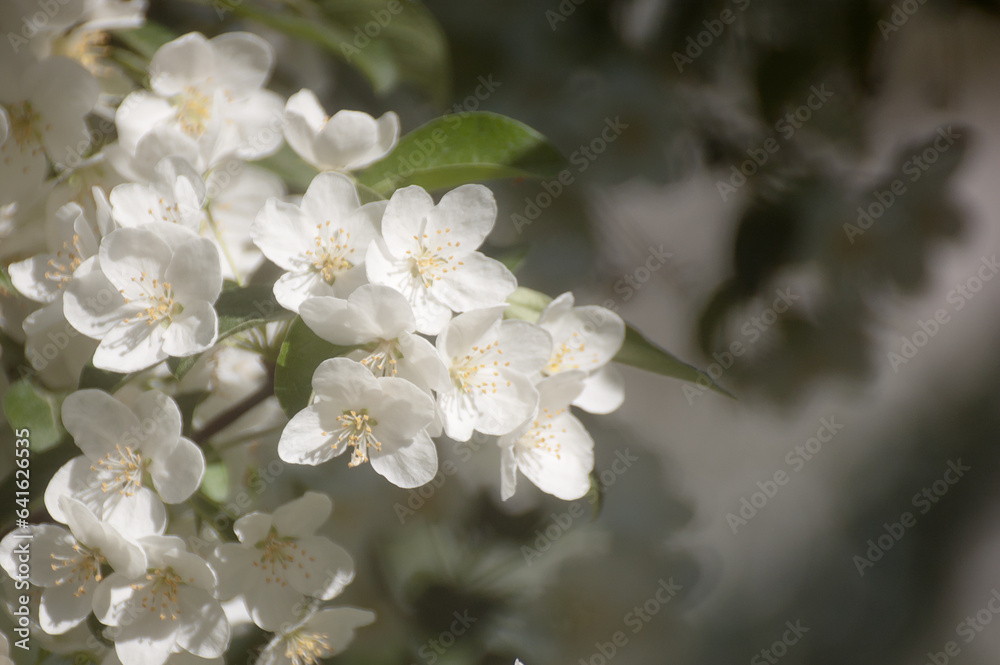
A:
<point x="799" y="197"/>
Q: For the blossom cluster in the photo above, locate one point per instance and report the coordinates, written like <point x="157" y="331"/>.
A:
<point x="119" y="246"/>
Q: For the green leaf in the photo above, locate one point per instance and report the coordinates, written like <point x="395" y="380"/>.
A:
<point x="30" y="407"/>
<point x="147" y="39"/>
<point x="526" y="304"/>
<point x="301" y="353"/>
<point x="460" y="148"/>
<point x="638" y="351"/>
<point x="239" y="309"/>
<point x="409" y="45"/>
<point x="109" y="382"/>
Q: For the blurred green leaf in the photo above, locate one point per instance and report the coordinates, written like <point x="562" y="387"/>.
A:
<point x="301" y="353"/>
<point x="215" y="483"/>
<point x="390" y="42"/>
<point x="637" y="351"/>
<point x="526" y="304"/>
<point x="30" y="407"/>
<point x="460" y="148"/>
<point x="295" y="171"/>
<point x="145" y="40"/>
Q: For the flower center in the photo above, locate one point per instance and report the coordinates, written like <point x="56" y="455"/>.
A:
<point x="160" y="592"/>
<point x="125" y="468"/>
<point x="276" y="553"/>
<point x="24" y="127"/>
<point x="194" y="110"/>
<point x="542" y="432"/>
<point x="429" y="265"/>
<point x="159" y="297"/>
<point x="66" y="261"/>
<point x="88" y="48"/>
<point x="382" y="360"/>
<point x="563" y="357"/>
<point x="330" y="256"/>
<point x="303" y="648"/>
<point x="475" y="371"/>
<point x="79" y="569"/>
<point x="356" y="431"/>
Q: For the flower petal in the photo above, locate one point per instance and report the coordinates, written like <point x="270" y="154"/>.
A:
<point x="195" y="330"/>
<point x="407" y="466"/>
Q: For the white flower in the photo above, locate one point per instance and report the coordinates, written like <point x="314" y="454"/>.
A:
<point x="586" y="338"/>
<point x="176" y="195"/>
<point x="489" y="361"/>
<point x="349" y="140"/>
<point x="54" y="349"/>
<point x="383" y="419"/>
<point x="427" y="253"/>
<point x="321" y="244"/>
<point x="380" y="319"/>
<point x="553" y="449"/>
<point x="67" y="564"/>
<point x="280" y="559"/>
<point x="211" y="91"/>
<point x="170" y="608"/>
<point x="45" y="105"/>
<point x="152" y="299"/>
<point x="123" y="450"/>
<point x="321" y="635"/>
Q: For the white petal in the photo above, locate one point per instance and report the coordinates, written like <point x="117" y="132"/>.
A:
<point x="65" y="608"/>
<point x="331" y="197"/>
<point x="294" y="288"/>
<point x="479" y="282"/>
<point x="325" y="571"/>
<point x="178" y="64"/>
<point x="92" y="304"/>
<point x="242" y="61"/>
<point x="177" y="473"/>
<point x="561" y="464"/>
<point x="303" y="516"/>
<point x="508" y="471"/>
<point x="130" y="347"/>
<point x="464" y="215"/>
<point x="205" y="630"/>
<point x="339" y="624"/>
<point x="407" y="466"/>
<point x="501" y="412"/>
<point x="284" y="233"/>
<point x="603" y="391"/>
<point x="404" y="218"/>
<point x="128" y="254"/>
<point x="195" y="330"/>
<point x="194" y="272"/>
<point x="98" y="422"/>
<point x="304" y="441"/>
